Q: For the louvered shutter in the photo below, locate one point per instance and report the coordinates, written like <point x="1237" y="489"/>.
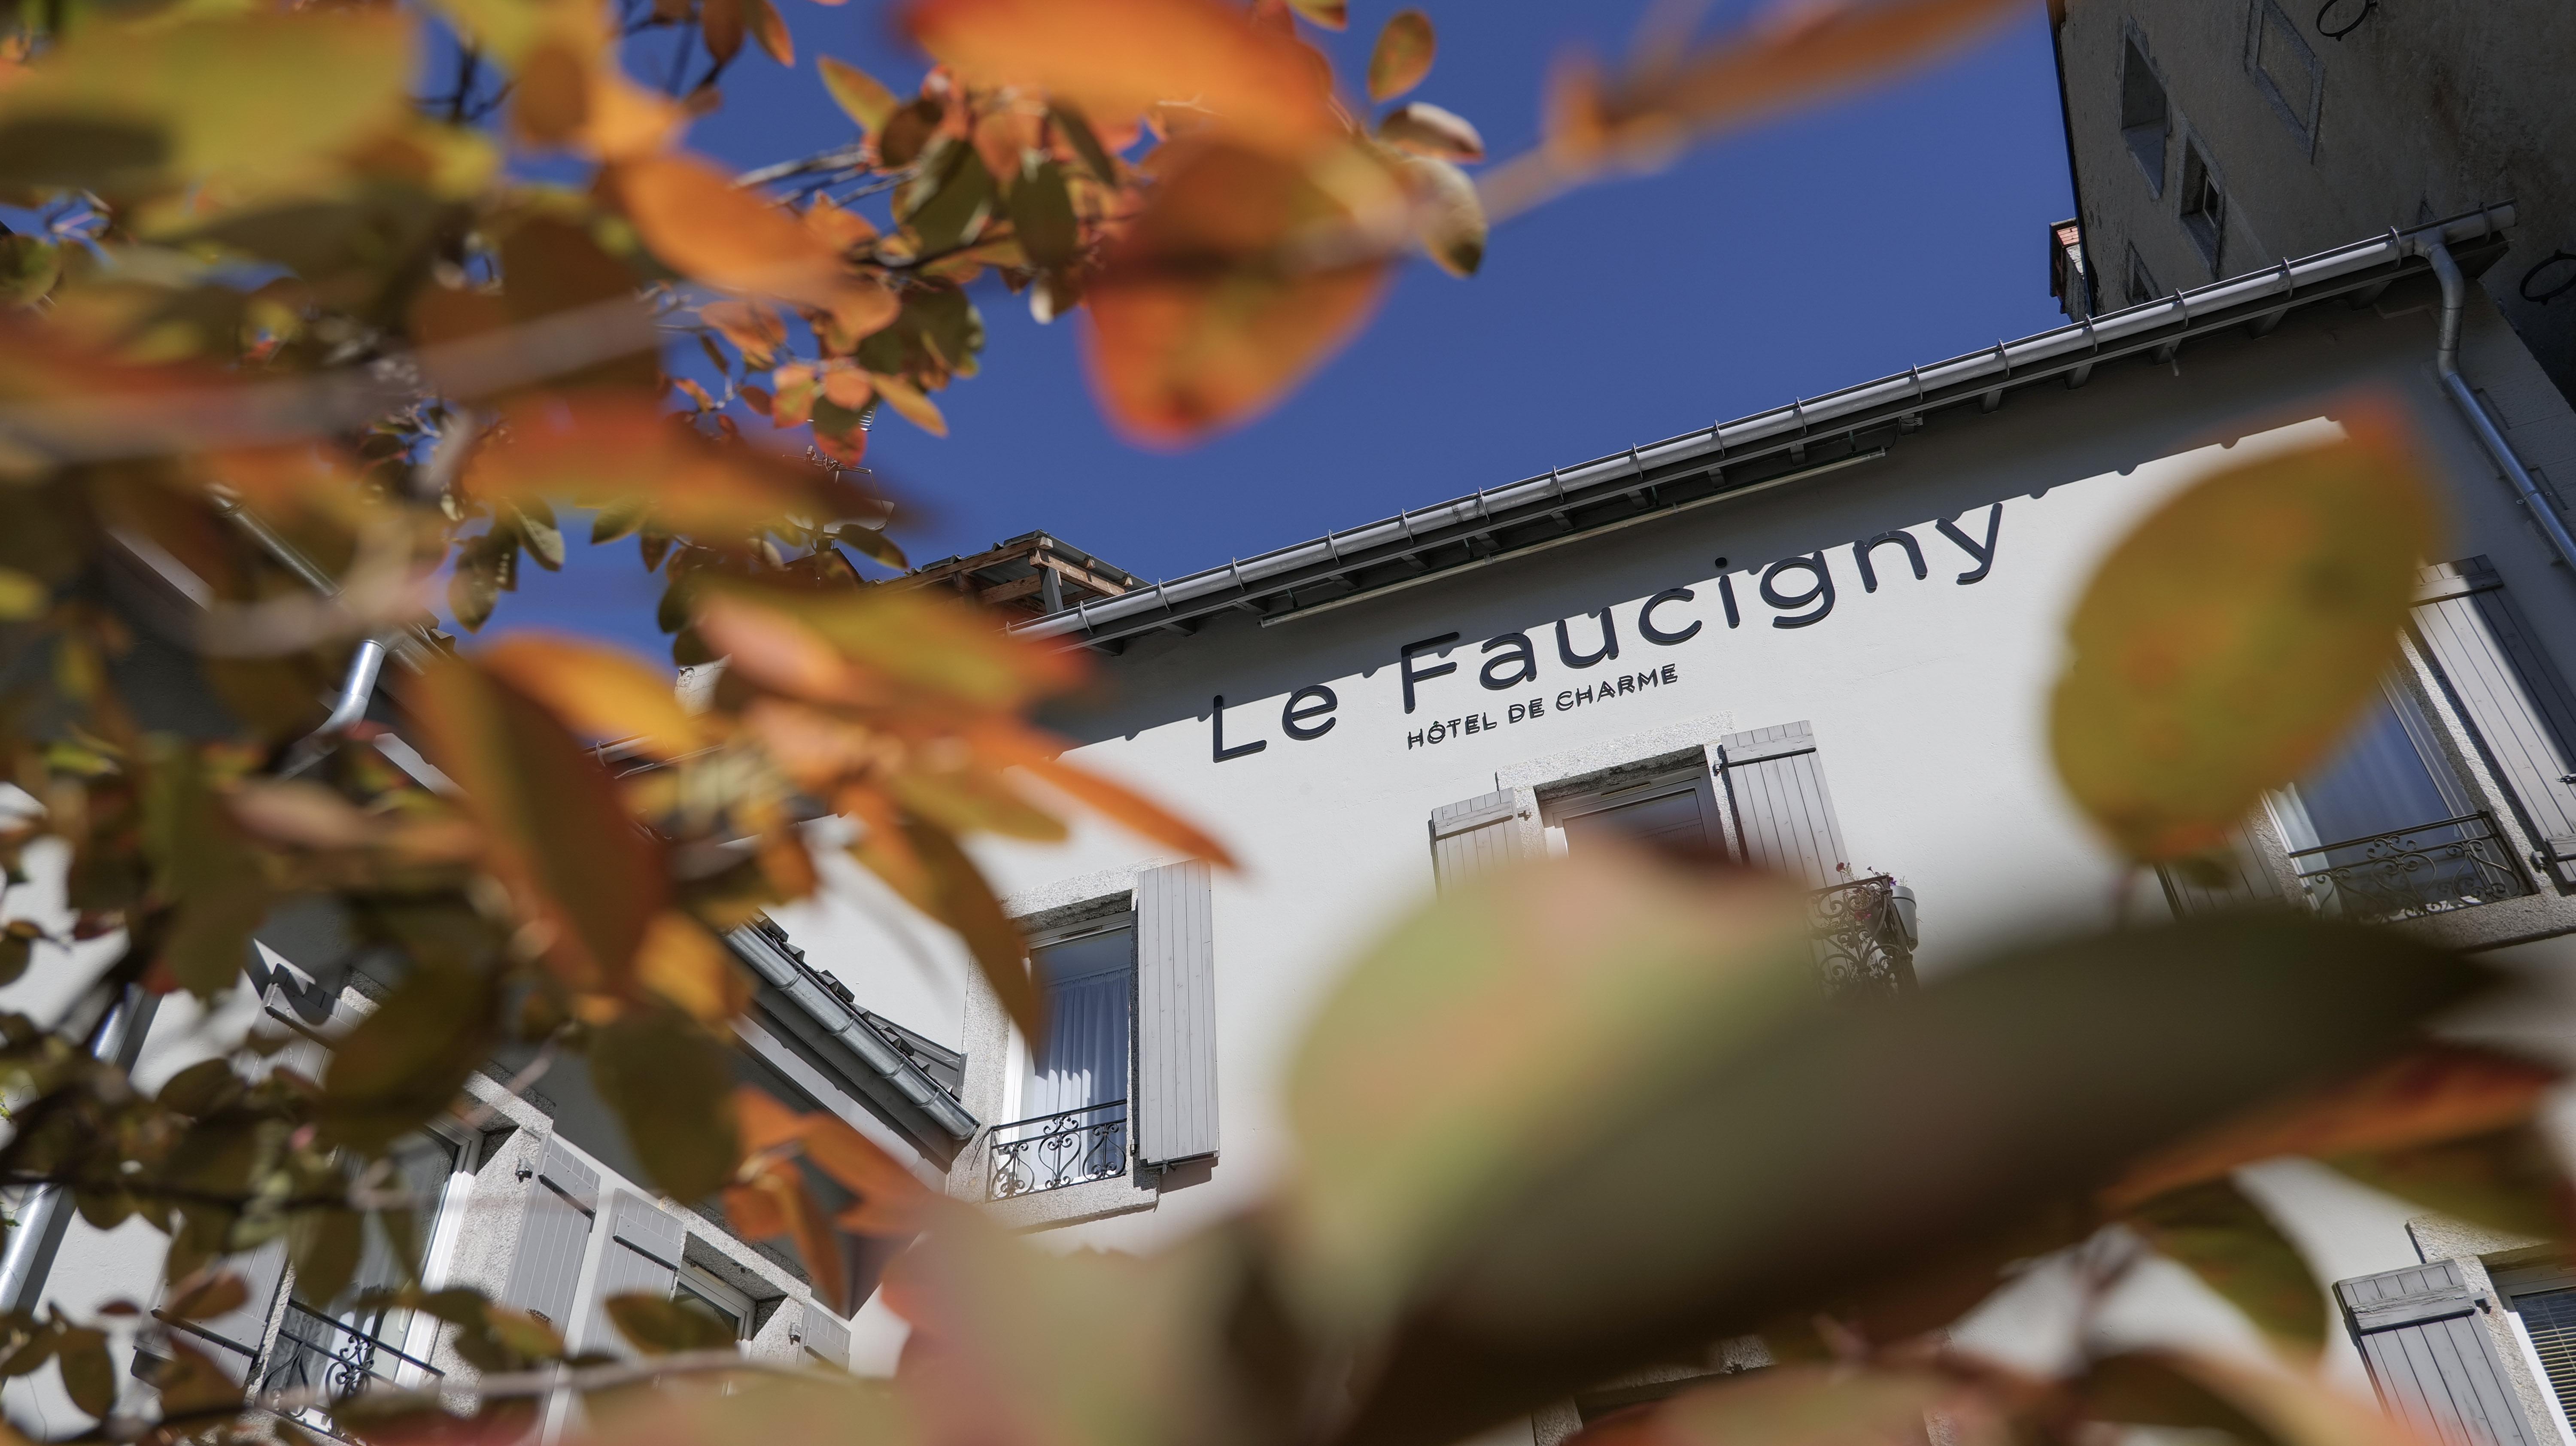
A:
<point x="553" y="1236"/>
<point x="1783" y="815"/>
<point x="826" y="1337"/>
<point x="2422" y="1333"/>
<point x="1174" y="1111"/>
<point x="1474" y="837"/>
<point x="240" y="1332"/>
<point x="2241" y="881"/>
<point x="2510" y="693"/>
<point x="642" y="1258"/>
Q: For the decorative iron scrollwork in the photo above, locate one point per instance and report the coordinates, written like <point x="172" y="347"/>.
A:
<point x="1069" y="1147"/>
<point x="2433" y="868"/>
<point x="1865" y="935"/>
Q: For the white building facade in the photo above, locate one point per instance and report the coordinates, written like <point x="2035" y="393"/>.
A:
<point x="1820" y="639"/>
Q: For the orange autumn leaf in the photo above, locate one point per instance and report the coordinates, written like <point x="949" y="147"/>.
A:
<point x="765" y="1123"/>
<point x="601" y="449"/>
<point x="1042" y="757"/>
<point x="891" y="1200"/>
<point x="1203" y="314"/>
<point x="683" y="963"/>
<point x="699" y="222"/>
<point x="1117" y="58"/>
<point x="600" y="692"/>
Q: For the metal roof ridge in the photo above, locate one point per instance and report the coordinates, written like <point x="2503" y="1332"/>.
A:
<point x="2000" y="366"/>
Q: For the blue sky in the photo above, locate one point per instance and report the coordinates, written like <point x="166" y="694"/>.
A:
<point x="1835" y="245"/>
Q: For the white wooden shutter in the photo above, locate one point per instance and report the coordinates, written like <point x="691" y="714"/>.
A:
<point x="2422" y="1333"/>
<point x="238" y="1333"/>
<point x="1173" y="1112"/>
<point x="553" y="1236"/>
<point x="642" y="1257"/>
<point x="2504" y="685"/>
<point x="1783" y="814"/>
<point x="826" y="1338"/>
<point x="1473" y="837"/>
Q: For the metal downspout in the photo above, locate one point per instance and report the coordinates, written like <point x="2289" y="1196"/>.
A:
<point x="2446" y="362"/>
<point x="357" y="689"/>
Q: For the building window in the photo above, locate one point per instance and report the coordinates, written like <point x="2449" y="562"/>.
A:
<point x="2204" y="206"/>
<point x="1071" y="1113"/>
<point x="1671" y="805"/>
<point x="2145" y="117"/>
<point x="2540" y="1304"/>
<point x="721" y="1298"/>
<point x="2285" y="70"/>
<point x="2141" y="283"/>
<point x="2387" y="830"/>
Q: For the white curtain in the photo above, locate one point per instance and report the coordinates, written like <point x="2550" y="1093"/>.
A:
<point x="1090" y="988"/>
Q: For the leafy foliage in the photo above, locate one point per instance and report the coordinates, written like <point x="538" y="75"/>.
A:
<point x="311" y="349"/>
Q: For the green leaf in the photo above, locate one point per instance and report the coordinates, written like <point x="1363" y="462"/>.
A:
<point x="1042" y="215"/>
<point x="29" y="266"/>
<point x="671" y="1083"/>
<point x="124" y="109"/>
<point x="539" y="534"/>
<point x="2144" y="1388"/>
<point x="1804" y="1406"/>
<point x="2232" y="1245"/>
<point x="2507" y="1180"/>
<point x="409" y="1059"/>
<point x="1086" y="142"/>
<point x="324" y="1246"/>
<point x="859" y="95"/>
<point x="948" y="206"/>
<point x="88" y="1375"/>
<point x="617" y="519"/>
<point x="1402" y="56"/>
<point x="208" y="1298"/>
<point x="17" y="948"/>
<point x="485" y="568"/>
<point x="2224" y="648"/>
<point x="661" y="1326"/>
<point x="1775" y="1151"/>
<point x="1597" y="980"/>
<point x="206" y="867"/>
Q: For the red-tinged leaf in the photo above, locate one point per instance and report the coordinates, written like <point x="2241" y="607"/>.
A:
<point x="550" y="101"/>
<point x="843" y="231"/>
<point x="1042" y="757"/>
<point x="2438" y="1092"/>
<point x="1402" y="55"/>
<point x="774" y="650"/>
<point x="789" y="1208"/>
<point x="754" y="328"/>
<point x="556" y="832"/>
<point x="891" y="1200"/>
<point x="601" y="450"/>
<point x="695" y="393"/>
<point x="765" y="1123"/>
<point x="2228" y="1240"/>
<point x="721" y="23"/>
<point x="848" y="388"/>
<point x="1330" y="14"/>
<point x="1116" y="58"/>
<point x="770" y="30"/>
<point x="2510" y="1181"/>
<point x="701" y="224"/>
<point x="1427" y="130"/>
<point x="916" y="639"/>
<point x="860" y="95"/>
<point x="1205" y="313"/>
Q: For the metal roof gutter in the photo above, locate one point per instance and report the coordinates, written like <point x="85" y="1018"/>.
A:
<point x="789" y="976"/>
<point x="1704" y="457"/>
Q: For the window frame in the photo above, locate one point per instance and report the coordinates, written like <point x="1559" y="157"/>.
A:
<point x="1118" y="919"/>
<point x="1690" y="771"/>
<point x="2300" y="114"/>
<point x="730" y="1299"/>
<point x="2133" y="139"/>
<point x="2511" y="1284"/>
<point x="2205" y="225"/>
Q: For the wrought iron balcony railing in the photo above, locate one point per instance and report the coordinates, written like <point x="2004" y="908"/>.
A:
<point x="1069" y="1147"/>
<point x="1865" y="935"/>
<point x="2408" y="873"/>
<point x="314" y="1352"/>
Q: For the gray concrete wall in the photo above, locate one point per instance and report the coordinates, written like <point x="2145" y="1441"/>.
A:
<point x="2421" y="111"/>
